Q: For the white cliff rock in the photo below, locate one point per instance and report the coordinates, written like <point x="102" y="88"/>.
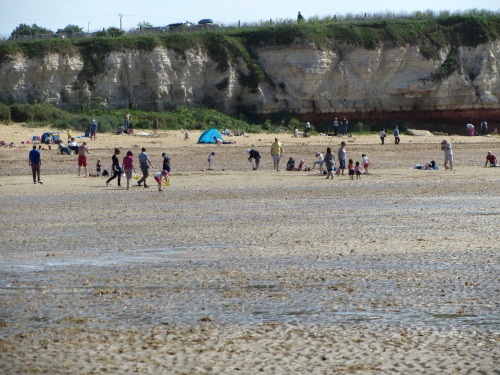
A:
<point x="300" y="79"/>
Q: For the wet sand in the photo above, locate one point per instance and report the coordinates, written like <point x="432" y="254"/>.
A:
<point x="246" y="271"/>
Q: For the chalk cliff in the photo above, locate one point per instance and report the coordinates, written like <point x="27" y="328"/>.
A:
<point x="299" y="79"/>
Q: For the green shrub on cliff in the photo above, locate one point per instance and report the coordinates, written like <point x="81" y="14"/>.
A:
<point x="4" y="113"/>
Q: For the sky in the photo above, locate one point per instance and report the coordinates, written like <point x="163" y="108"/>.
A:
<point x="94" y="15"/>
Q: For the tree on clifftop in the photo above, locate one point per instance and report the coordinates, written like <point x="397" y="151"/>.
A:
<point x="27" y="30"/>
<point x="70" y="29"/>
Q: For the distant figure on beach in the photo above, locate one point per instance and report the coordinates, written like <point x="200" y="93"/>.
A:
<point x="382" y="135"/>
<point x="186" y="135"/>
<point x="396" y="135"/>
<point x="82" y="157"/>
<point x="344" y="125"/>
<point x="335" y="127"/>
<point x="98" y="167"/>
<point x="68" y="133"/>
<point x="296" y="133"/>
<point x="342" y="154"/>
<point x="484" y="128"/>
<point x="73" y="146"/>
<point x="301" y="166"/>
<point x="276" y="153"/>
<point x="155" y="125"/>
<point x="255" y="155"/>
<point x="307" y="130"/>
<point x="290" y="165"/>
<point x="144" y="163"/>
<point x="350" y="169"/>
<point x="166" y="162"/>
<point x="329" y="162"/>
<point x="210" y="159"/>
<point x="93" y="130"/>
<point x="470" y="130"/>
<point x="128" y="167"/>
<point x="161" y="178"/>
<point x="117" y="170"/>
<point x="320" y="160"/>
<point x="127" y="120"/>
<point x="366" y="162"/>
<point x="448" y="155"/>
<point x="491" y="159"/>
<point x="300" y="18"/>
<point x="357" y="170"/>
<point x="35" y="162"/>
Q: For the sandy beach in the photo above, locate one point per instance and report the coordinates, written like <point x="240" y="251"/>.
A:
<point x="241" y="271"/>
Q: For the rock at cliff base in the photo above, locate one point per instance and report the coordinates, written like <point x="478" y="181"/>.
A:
<point x="418" y="132"/>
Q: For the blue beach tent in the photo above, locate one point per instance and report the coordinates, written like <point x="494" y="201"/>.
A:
<point x="208" y="136"/>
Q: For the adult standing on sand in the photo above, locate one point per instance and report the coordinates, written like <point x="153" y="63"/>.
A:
<point x="276" y="153"/>
<point x="35" y="162"/>
<point x="117" y="170"/>
<point x="330" y="162"/>
<point x="127" y="120"/>
<point x="155" y="125"/>
<point x="93" y="129"/>
<point x="342" y="154"/>
<point x="145" y="163"/>
<point x="82" y="157"/>
<point x="448" y="155"/>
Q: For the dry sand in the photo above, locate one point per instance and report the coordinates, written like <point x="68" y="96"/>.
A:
<point x="240" y="271"/>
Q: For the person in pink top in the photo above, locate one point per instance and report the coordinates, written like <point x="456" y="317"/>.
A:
<point x="128" y="167"/>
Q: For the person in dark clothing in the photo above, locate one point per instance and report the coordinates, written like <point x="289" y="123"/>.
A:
<point x="256" y="155"/>
<point x="166" y="162"/>
<point x="117" y="170"/>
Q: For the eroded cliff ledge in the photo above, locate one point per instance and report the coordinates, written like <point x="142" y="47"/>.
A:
<point x="301" y="79"/>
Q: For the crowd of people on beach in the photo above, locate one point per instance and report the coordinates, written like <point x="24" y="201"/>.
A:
<point x="328" y="164"/>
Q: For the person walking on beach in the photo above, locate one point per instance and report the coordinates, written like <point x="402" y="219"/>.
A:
<point x="256" y="155"/>
<point x="117" y="170"/>
<point x="35" y="162"/>
<point x="382" y="135"/>
<point x="93" y="130"/>
<point x="82" y="157"/>
<point x="341" y="156"/>
<point x="276" y="153"/>
<point x="145" y="163"/>
<point x="396" y="135"/>
<point x="329" y="162"/>
<point x="128" y="167"/>
<point x="448" y="155"/>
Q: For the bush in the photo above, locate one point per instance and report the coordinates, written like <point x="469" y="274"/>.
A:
<point x="36" y="113"/>
<point x="4" y="113"/>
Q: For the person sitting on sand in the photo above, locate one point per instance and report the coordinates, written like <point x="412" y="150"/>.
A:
<point x="491" y="159"/>
<point x="301" y="166"/>
<point x="320" y="160"/>
<point x="73" y="146"/>
<point x="290" y="165"/>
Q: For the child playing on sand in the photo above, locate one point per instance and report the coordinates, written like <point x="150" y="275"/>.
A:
<point x="350" y="168"/>
<point x="98" y="167"/>
<point x="210" y="159"/>
<point x="301" y="166"/>
<point x="357" y="170"/>
<point x="160" y="178"/>
<point x="366" y="162"/>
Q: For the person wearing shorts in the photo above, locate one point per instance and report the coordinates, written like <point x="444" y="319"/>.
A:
<point x="448" y="155"/>
<point x="128" y="167"/>
<point x="82" y="157"/>
<point x="276" y="153"/>
<point x="144" y="163"/>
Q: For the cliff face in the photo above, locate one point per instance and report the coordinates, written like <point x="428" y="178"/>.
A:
<point x="300" y="79"/>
